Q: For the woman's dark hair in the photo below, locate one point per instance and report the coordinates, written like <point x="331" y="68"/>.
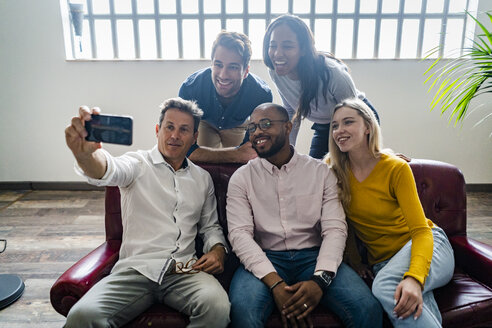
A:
<point x="311" y="67"/>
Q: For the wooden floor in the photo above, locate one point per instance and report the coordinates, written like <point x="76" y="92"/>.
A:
<point x="47" y="231"/>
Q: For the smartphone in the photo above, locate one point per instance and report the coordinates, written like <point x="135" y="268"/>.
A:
<point x="110" y="129"/>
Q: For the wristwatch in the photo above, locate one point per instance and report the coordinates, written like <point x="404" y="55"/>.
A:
<point x="323" y="279"/>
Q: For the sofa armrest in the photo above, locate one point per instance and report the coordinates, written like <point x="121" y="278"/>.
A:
<point x="81" y="276"/>
<point x="473" y="257"/>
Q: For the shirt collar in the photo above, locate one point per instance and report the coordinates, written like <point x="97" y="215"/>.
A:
<point x="158" y="158"/>
<point x="287" y="167"/>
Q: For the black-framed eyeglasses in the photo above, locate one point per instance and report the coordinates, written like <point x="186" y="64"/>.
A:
<point x="264" y="124"/>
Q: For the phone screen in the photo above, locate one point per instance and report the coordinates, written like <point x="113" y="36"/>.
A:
<point x="110" y="129"/>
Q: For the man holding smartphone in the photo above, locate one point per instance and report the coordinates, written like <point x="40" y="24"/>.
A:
<point x="227" y="93"/>
<point x="166" y="200"/>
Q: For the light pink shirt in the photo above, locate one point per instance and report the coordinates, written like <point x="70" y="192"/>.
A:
<point x="291" y="208"/>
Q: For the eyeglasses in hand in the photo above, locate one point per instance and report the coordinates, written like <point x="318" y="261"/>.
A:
<point x="264" y="124"/>
<point x="186" y="268"/>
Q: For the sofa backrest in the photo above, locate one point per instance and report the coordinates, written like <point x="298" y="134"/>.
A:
<point x="442" y="192"/>
<point x="441" y="189"/>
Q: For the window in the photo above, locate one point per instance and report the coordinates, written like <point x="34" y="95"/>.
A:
<point x="185" y="29"/>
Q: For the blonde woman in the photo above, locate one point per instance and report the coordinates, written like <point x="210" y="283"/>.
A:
<point x="408" y="254"/>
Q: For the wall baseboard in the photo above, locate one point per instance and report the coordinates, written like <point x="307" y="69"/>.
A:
<point x="75" y="185"/>
<point x="69" y="185"/>
<point x="479" y="187"/>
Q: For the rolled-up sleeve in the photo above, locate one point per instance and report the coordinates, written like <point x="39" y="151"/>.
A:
<point x="120" y="171"/>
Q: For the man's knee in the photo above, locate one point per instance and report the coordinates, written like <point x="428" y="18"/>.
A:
<point x="213" y="303"/>
<point x="84" y="315"/>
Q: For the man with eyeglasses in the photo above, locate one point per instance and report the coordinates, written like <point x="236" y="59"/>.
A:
<point x="166" y="201"/>
<point x="288" y="229"/>
<point x="227" y="93"/>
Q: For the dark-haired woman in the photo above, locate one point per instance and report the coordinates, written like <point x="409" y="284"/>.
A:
<point x="309" y="82"/>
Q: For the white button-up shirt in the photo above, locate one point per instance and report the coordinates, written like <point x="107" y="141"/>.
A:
<point x="291" y="208"/>
<point x="162" y="210"/>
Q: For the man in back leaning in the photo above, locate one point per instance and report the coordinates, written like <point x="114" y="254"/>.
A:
<point x="227" y="93"/>
<point x="288" y="229"/>
<point x="165" y="200"/>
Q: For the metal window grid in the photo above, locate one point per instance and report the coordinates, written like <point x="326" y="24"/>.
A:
<point x="90" y="17"/>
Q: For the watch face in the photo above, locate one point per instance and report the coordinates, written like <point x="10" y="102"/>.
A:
<point x="326" y="277"/>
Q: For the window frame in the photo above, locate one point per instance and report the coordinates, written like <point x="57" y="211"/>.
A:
<point x="268" y="16"/>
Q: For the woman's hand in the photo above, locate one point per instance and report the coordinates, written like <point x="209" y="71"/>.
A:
<point x="408" y="299"/>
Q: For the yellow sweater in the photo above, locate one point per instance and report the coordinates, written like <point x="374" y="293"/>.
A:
<point x="386" y="213"/>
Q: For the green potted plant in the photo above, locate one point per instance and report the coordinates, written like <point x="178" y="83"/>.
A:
<point x="460" y="80"/>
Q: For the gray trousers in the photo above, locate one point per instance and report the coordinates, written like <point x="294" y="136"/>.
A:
<point x="120" y="297"/>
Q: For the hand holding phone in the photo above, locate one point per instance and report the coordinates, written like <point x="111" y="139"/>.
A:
<point x="110" y="129"/>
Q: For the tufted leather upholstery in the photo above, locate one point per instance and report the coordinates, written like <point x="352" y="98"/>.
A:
<point x="465" y="302"/>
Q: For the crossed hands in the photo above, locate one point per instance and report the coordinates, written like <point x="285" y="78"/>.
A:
<point x="296" y="302"/>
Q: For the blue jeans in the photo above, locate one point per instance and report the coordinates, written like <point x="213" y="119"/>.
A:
<point x="348" y="296"/>
<point x="389" y="273"/>
<point x="319" y="143"/>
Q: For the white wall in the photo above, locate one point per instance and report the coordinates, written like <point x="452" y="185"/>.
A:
<point x="40" y="92"/>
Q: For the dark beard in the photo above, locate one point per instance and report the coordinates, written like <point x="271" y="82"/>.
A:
<point x="276" y="146"/>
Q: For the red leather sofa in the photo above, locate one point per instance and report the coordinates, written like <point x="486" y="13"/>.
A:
<point x="465" y="302"/>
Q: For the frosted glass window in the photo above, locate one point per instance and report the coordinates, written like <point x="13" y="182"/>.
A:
<point x="169" y="39"/>
<point x="148" y="48"/>
<point x="189" y="6"/>
<point x="234" y="7"/>
<point x="251" y="16"/>
<point x="279" y="6"/>
<point x="126" y="44"/>
<point x="301" y="6"/>
<point x="167" y="6"/>
<point x="435" y="6"/>
<point x="457" y="6"/>
<point x="104" y="42"/>
<point x="123" y="6"/>
<point x="413" y="6"/>
<point x="387" y="38"/>
<point x="145" y="6"/>
<point x="391" y="6"/>
<point x="86" y="51"/>
<point x="365" y="44"/>
<point x="346" y="6"/>
<point x="191" y="40"/>
<point x="368" y="6"/>
<point x="409" y="38"/>
<point x="256" y="7"/>
<point x="235" y="25"/>
<point x="100" y="7"/>
<point x="211" y="6"/>
<point x="345" y="30"/>
<point x="453" y="43"/>
<point x="256" y="33"/>
<point x="322" y="35"/>
<point x="323" y="7"/>
<point x="432" y="36"/>
<point x="212" y="28"/>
